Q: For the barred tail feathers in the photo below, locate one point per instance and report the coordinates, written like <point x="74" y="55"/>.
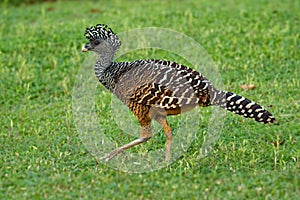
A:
<point x="242" y="106"/>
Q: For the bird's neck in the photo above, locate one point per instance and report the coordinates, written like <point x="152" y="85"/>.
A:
<point x="102" y="66"/>
<point x="103" y="62"/>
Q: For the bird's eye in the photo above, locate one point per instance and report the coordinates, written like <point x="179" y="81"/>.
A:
<point x="96" y="42"/>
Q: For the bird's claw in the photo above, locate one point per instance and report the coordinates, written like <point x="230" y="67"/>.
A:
<point x="112" y="154"/>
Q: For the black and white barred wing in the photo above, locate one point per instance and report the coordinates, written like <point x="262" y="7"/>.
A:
<point x="161" y="85"/>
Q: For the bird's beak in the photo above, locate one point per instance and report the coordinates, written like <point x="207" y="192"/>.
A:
<point x="86" y="47"/>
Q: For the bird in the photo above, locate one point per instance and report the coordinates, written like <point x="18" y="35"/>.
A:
<point x="154" y="89"/>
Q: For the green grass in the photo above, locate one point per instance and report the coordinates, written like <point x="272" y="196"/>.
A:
<point x="42" y="155"/>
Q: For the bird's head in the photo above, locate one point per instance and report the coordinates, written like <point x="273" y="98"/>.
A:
<point x="101" y="38"/>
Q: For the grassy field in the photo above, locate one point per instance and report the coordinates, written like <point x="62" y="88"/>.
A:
<point x="251" y="42"/>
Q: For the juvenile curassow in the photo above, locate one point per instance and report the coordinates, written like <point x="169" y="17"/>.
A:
<point x="154" y="89"/>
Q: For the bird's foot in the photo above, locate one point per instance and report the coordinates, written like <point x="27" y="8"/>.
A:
<point x="112" y="154"/>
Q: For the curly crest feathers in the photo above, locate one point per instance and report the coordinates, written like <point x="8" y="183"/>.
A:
<point x="103" y="32"/>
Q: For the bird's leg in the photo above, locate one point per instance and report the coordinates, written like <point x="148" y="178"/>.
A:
<point x="145" y="135"/>
<point x="162" y="120"/>
<point x="124" y="147"/>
